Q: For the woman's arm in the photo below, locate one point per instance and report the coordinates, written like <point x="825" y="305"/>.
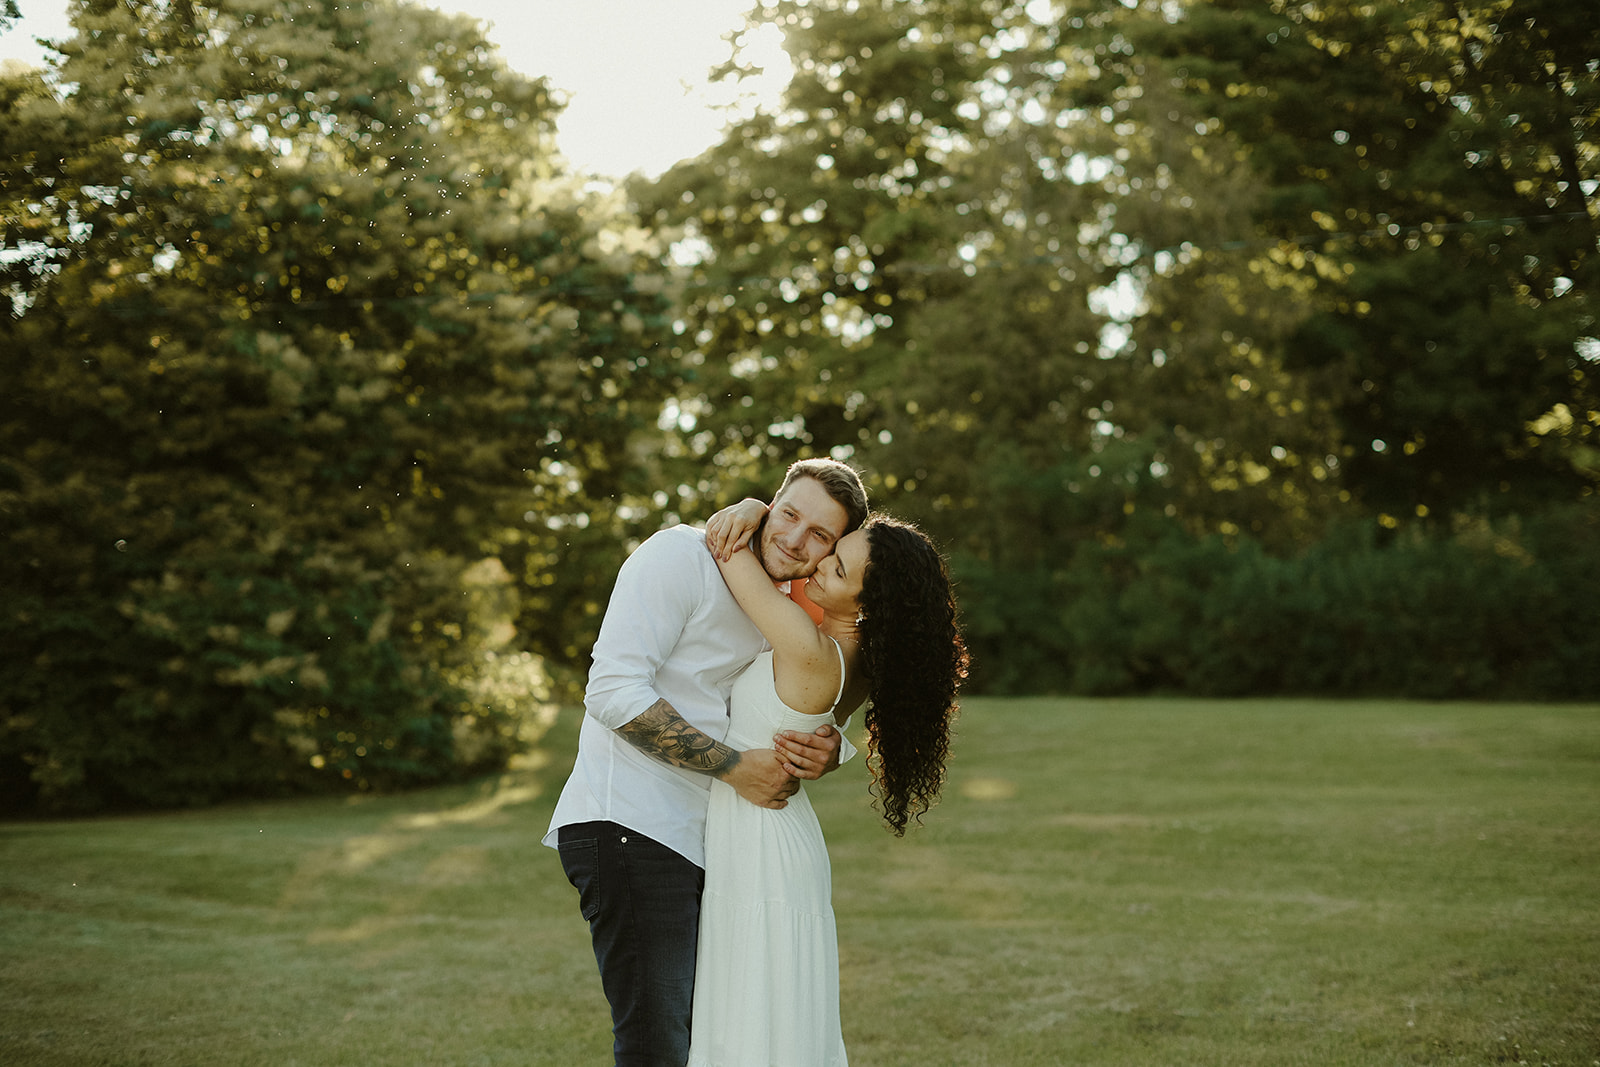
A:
<point x="785" y="624"/>
<point x="804" y="755"/>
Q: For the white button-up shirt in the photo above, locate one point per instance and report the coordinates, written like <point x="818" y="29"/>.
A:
<point x="671" y="632"/>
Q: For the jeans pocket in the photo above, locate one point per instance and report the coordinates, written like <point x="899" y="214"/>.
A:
<point x="580" y="859"/>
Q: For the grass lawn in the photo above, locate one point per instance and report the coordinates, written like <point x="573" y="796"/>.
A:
<point x="1107" y="882"/>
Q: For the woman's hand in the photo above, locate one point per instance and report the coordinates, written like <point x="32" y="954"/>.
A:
<point x="729" y="529"/>
<point x="810" y="755"/>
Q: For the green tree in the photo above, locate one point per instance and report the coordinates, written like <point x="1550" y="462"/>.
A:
<point x="878" y="273"/>
<point x="315" y="356"/>
<point x="930" y="261"/>
<point x="1427" y="179"/>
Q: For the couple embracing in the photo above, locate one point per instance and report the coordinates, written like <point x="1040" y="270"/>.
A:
<point x="717" y="686"/>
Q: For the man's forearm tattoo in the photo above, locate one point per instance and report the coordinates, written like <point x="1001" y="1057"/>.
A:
<point x="660" y="731"/>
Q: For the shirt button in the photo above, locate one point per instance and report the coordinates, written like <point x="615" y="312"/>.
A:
<point x="624" y="840"/>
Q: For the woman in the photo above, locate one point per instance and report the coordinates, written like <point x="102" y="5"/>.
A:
<point x="767" y="976"/>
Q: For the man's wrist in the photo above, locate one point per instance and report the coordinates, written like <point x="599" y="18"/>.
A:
<point x="730" y="761"/>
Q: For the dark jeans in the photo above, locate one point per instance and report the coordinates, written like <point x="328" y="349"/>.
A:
<point x="642" y="901"/>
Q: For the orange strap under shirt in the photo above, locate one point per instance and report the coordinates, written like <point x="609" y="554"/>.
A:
<point x="798" y="595"/>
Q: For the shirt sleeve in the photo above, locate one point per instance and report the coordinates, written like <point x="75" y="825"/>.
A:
<point x="656" y="593"/>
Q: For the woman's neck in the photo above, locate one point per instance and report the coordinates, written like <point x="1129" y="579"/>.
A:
<point x="840" y="627"/>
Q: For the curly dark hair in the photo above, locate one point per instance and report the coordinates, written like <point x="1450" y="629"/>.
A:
<point x="912" y="650"/>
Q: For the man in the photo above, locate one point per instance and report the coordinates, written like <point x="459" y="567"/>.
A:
<point x="630" y="823"/>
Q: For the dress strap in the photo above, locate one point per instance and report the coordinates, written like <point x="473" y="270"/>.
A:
<point x="839" y="649"/>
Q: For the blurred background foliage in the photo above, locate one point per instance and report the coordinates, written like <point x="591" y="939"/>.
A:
<point x="1228" y="346"/>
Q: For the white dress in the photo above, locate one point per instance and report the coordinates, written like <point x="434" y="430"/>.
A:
<point x="766" y="989"/>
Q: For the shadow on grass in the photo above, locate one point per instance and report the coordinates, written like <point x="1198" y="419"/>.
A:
<point x="428" y="927"/>
<point x="448" y="833"/>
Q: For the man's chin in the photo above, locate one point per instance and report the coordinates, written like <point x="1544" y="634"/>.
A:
<point x="781" y="568"/>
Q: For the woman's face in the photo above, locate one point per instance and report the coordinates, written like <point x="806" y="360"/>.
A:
<point x="837" y="583"/>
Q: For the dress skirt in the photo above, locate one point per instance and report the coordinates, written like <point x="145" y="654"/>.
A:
<point x="767" y="972"/>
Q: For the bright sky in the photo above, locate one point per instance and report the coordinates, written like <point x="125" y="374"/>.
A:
<point x="635" y="70"/>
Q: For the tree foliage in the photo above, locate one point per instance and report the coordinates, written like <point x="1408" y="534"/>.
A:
<point x="330" y="404"/>
<point x="315" y="357"/>
<point x="1047" y="270"/>
<point x="880" y="271"/>
<point x="922" y="263"/>
<point x="1492" y="611"/>
<point x="1427" y="180"/>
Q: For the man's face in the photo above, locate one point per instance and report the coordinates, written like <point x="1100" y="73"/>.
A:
<point x="802" y="527"/>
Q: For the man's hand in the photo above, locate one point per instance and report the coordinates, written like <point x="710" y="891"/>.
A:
<point x="809" y="755"/>
<point x="759" y="776"/>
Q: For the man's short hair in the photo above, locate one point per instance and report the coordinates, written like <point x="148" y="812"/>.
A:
<point x="840" y="480"/>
